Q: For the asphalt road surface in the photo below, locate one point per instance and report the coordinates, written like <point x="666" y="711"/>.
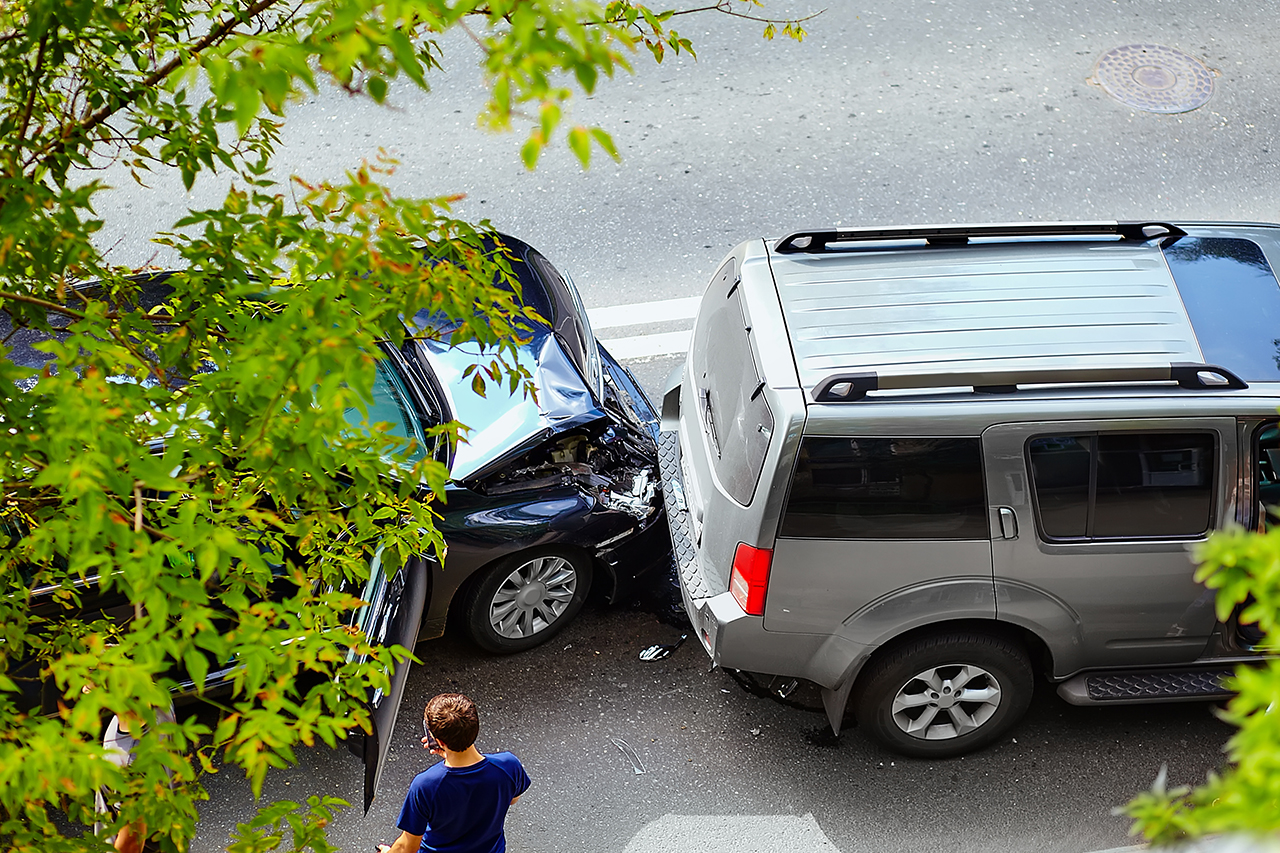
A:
<point x="722" y="765"/>
<point x="927" y="113"/>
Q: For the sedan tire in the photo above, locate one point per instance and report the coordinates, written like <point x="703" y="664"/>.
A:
<point x="945" y="695"/>
<point x="526" y="599"/>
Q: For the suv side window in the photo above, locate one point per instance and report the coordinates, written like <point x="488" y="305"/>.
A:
<point x="1123" y="485"/>
<point x="887" y="488"/>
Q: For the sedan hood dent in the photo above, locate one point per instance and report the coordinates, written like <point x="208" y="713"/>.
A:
<point x="502" y="425"/>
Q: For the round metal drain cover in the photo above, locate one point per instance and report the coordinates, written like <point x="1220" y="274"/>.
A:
<point x="1154" y="78"/>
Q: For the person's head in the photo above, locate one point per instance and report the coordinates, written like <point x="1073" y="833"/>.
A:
<point x="453" y="720"/>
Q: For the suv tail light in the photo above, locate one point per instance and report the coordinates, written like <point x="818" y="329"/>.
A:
<point x="750" y="577"/>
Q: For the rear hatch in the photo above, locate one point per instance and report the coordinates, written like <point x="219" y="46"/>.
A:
<point x="728" y="421"/>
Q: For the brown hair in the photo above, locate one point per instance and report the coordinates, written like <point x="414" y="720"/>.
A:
<point x="453" y="720"/>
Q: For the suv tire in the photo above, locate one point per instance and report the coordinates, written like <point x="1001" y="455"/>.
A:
<point x="945" y="695"/>
<point x="526" y="599"/>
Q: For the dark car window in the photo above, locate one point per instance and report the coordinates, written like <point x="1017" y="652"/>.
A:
<point x="887" y="488"/>
<point x="1123" y="485"/>
<point x="390" y="405"/>
<point x="1233" y="300"/>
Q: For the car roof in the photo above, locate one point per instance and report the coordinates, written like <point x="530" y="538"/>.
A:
<point x="895" y="303"/>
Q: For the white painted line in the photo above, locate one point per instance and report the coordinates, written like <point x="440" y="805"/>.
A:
<point x="611" y="316"/>
<point x="645" y="346"/>
<point x="732" y="834"/>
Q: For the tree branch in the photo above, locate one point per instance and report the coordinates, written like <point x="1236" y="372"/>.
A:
<point x="215" y="36"/>
<point x="35" y="86"/>
<point x="42" y="303"/>
<point x="725" y="8"/>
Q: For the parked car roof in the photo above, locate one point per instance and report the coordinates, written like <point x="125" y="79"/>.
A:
<point x="902" y="302"/>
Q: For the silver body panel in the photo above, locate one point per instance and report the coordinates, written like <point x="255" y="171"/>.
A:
<point x="1012" y="306"/>
<point x="983" y="308"/>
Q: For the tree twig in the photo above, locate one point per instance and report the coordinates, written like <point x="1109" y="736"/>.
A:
<point x="215" y="36"/>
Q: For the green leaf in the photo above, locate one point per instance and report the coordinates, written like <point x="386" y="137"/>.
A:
<point x="605" y="141"/>
<point x="587" y="74"/>
<point x="580" y="144"/>
<point x="247" y="101"/>
<point x="529" y="152"/>
<point x="197" y="667"/>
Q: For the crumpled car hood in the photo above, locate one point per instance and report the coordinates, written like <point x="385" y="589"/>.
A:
<point x="502" y="425"/>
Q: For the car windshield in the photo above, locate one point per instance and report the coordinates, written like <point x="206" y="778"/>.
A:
<point x="390" y="405"/>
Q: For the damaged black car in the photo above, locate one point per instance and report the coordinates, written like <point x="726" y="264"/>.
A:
<point x="549" y="498"/>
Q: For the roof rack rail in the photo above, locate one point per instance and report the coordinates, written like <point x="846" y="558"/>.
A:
<point x="816" y="242"/>
<point x="852" y="387"/>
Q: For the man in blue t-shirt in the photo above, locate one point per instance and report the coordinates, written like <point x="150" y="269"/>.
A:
<point x="460" y="804"/>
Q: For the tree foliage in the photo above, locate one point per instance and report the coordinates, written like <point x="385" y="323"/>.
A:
<point x="1244" y="567"/>
<point x="186" y="454"/>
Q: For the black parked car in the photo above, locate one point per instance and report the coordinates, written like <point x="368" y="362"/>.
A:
<point x="548" y="498"/>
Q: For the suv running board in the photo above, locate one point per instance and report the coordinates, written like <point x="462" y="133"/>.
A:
<point x="1138" y="686"/>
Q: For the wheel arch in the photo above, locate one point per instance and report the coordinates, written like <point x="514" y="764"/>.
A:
<point x="1038" y="651"/>
<point x="835" y="699"/>
<point x="932" y="721"/>
<point x="484" y="568"/>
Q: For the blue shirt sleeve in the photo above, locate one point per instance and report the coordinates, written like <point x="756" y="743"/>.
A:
<point x="515" y="770"/>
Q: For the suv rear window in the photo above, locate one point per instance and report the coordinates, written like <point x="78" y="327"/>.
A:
<point x="1123" y="485"/>
<point x="887" y="488"/>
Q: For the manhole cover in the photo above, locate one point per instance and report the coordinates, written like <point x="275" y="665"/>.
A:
<point x="1154" y="78"/>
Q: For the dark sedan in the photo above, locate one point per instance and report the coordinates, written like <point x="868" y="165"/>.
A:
<point x="548" y="497"/>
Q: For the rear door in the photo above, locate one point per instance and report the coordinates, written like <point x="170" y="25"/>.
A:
<point x="391" y="617"/>
<point x="1094" y="522"/>
<point x="892" y="532"/>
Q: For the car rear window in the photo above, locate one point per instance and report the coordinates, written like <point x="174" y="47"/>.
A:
<point x="1123" y="485"/>
<point x="1233" y="300"/>
<point x="887" y="488"/>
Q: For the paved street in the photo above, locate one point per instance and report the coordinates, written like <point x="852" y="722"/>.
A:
<point x="932" y="112"/>
<point x="727" y="771"/>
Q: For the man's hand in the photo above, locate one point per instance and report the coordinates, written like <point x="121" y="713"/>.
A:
<point x="406" y="843"/>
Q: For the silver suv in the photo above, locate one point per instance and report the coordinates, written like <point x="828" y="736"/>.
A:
<point x="922" y="466"/>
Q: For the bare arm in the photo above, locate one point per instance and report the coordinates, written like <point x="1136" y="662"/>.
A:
<point x="406" y="843"/>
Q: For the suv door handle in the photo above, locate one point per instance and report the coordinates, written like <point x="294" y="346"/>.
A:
<point x="1008" y="523"/>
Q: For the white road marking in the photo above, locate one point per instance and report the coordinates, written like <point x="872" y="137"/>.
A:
<point x="648" y="346"/>
<point x="612" y="316"/>
<point x="732" y="834"/>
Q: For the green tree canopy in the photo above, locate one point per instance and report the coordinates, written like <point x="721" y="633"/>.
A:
<point x="264" y="338"/>
<point x="1244" y="799"/>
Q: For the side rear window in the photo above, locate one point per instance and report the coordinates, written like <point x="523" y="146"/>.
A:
<point x="1123" y="485"/>
<point x="887" y="488"/>
<point x="731" y="405"/>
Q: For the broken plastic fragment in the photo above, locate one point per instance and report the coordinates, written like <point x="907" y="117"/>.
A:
<point x="658" y="651"/>
<point x="627" y="750"/>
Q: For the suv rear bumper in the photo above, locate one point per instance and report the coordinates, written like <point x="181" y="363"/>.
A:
<point x="729" y="636"/>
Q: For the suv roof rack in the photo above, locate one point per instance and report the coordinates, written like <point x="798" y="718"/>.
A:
<point x="852" y="387"/>
<point x="816" y="242"/>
